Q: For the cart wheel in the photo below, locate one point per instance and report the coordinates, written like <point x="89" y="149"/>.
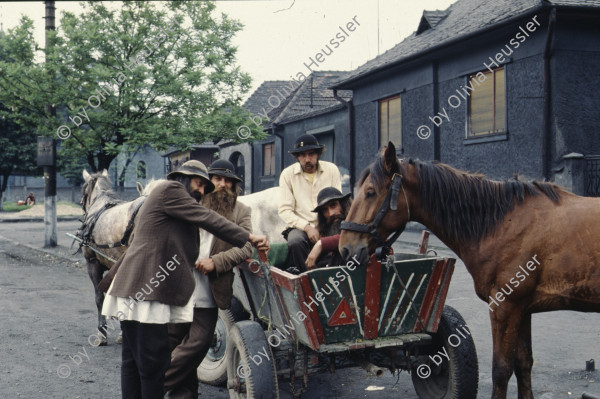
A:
<point x="436" y="377"/>
<point x="249" y="373"/>
<point x="213" y="369"/>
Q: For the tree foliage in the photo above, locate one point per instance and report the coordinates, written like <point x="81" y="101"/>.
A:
<point x="18" y="142"/>
<point x="158" y="74"/>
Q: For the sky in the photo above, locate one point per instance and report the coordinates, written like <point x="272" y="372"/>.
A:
<point x="279" y="36"/>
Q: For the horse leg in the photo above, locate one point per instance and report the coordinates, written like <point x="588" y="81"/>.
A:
<point x="505" y="330"/>
<point x="524" y="359"/>
<point x="95" y="271"/>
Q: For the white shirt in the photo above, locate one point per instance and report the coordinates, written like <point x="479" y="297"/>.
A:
<point x="202" y="296"/>
<point x="299" y="195"/>
<point x="151" y="312"/>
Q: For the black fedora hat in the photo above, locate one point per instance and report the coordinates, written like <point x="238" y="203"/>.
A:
<point x="306" y="142"/>
<point x="194" y="168"/>
<point x="329" y="194"/>
<point x="223" y="167"/>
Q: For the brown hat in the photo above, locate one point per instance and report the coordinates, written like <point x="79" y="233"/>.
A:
<point x="194" y="168"/>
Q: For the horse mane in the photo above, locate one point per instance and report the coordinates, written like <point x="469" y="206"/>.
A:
<point x="151" y="185"/>
<point x="467" y="205"/>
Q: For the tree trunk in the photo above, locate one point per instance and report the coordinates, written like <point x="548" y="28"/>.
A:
<point x="3" y="186"/>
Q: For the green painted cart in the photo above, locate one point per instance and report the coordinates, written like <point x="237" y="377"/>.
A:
<point x="388" y="314"/>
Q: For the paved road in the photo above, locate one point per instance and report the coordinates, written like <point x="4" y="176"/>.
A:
<point x="48" y="313"/>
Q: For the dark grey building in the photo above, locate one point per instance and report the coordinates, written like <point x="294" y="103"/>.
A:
<point x="495" y="86"/>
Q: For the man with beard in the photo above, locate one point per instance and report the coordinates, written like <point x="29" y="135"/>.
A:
<point x="214" y="279"/>
<point x="152" y="283"/>
<point x="299" y="184"/>
<point x="331" y="211"/>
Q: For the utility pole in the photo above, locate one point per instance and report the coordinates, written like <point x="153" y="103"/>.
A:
<point x="50" y="170"/>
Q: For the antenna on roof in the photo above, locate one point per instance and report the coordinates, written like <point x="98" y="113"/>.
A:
<point x="377" y="27"/>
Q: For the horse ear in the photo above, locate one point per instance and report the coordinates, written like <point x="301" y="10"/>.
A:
<point x="105" y="173"/>
<point x="86" y="175"/>
<point x="140" y="188"/>
<point x="390" y="157"/>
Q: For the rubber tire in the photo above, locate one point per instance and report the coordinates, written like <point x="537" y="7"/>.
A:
<point x="213" y="369"/>
<point x="457" y="378"/>
<point x="247" y="339"/>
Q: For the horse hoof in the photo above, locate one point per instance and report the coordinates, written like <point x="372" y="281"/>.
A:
<point x="100" y="340"/>
<point x="119" y="339"/>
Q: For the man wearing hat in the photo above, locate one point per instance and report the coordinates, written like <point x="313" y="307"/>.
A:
<point x="332" y="209"/>
<point x="214" y="280"/>
<point x="152" y="283"/>
<point x="299" y="184"/>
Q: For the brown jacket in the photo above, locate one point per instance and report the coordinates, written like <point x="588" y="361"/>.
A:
<point x="164" y="247"/>
<point x="226" y="257"/>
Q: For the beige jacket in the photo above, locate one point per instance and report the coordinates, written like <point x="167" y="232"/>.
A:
<point x="299" y="196"/>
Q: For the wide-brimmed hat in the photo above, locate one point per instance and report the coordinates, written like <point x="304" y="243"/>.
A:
<point x="223" y="167"/>
<point x="194" y="168"/>
<point x="306" y="142"/>
<point x="329" y="194"/>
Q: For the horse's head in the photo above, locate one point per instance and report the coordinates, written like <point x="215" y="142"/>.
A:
<point x="93" y="186"/>
<point x="381" y="207"/>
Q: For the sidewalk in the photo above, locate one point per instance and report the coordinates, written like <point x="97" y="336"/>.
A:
<point x="31" y="234"/>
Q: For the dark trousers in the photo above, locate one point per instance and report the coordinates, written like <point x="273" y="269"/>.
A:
<point x="145" y="359"/>
<point x="298" y="247"/>
<point x="189" y="344"/>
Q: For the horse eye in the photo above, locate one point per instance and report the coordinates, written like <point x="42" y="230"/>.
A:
<point x="370" y="194"/>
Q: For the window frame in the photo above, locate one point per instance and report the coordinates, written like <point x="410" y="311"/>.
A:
<point x="272" y="160"/>
<point x="379" y="119"/>
<point x="470" y="138"/>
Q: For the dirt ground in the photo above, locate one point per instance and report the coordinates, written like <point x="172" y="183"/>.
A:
<point x="48" y="312"/>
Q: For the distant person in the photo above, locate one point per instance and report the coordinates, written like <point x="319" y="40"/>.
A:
<point x="30" y="200"/>
<point x="299" y="184"/>
<point x="332" y="209"/>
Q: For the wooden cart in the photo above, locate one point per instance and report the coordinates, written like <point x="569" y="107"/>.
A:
<point x="387" y="315"/>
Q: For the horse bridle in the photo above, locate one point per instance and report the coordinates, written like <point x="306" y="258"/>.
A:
<point x="389" y="203"/>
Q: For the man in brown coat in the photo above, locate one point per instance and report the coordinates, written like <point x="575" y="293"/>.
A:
<point x="214" y="279"/>
<point x="152" y="283"/>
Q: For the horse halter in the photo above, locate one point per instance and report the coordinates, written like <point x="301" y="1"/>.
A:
<point x="390" y="202"/>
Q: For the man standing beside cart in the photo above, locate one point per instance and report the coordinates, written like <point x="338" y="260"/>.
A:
<point x="299" y="184"/>
<point x="152" y="283"/>
<point x="214" y="279"/>
<point x="331" y="211"/>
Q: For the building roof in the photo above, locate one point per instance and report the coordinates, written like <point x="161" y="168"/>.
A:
<point x="313" y="97"/>
<point x="459" y="21"/>
<point x="278" y="92"/>
<point x="287" y="101"/>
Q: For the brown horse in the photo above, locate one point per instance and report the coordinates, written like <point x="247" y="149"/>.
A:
<point x="530" y="247"/>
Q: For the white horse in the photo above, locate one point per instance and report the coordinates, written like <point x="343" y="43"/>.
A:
<point x="264" y="205"/>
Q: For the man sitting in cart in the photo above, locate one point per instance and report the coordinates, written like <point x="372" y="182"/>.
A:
<point x="331" y="211"/>
<point x="214" y="279"/>
<point x="299" y="184"/>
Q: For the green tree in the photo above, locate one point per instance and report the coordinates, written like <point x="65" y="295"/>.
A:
<point x="18" y="142"/>
<point x="158" y="74"/>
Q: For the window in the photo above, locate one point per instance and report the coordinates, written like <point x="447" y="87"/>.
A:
<point x="390" y="128"/>
<point x="328" y="140"/>
<point x="141" y="170"/>
<point x="268" y="159"/>
<point x="487" y="103"/>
